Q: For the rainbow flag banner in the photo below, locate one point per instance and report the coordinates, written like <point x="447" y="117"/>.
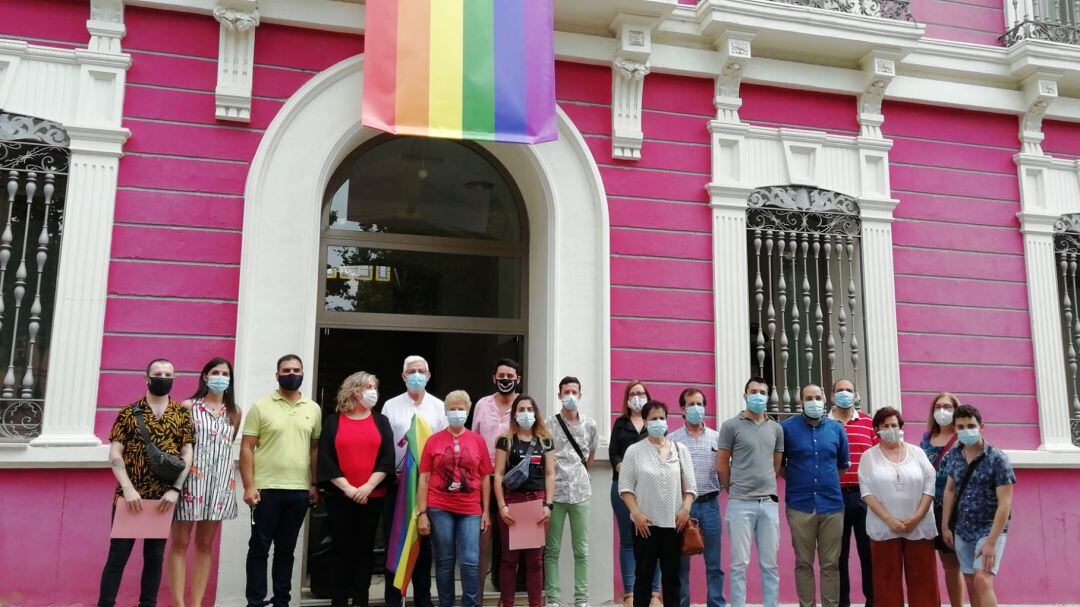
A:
<point x="461" y="69"/>
<point x="404" y="545"/>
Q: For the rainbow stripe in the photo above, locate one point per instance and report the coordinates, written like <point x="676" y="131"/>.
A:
<point x="404" y="546"/>
<point x="459" y="69"/>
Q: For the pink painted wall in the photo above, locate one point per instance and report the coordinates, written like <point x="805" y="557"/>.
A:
<point x="974" y="21"/>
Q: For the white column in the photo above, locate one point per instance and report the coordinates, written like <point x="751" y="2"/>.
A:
<point x="731" y="306"/>
<point x="882" y="361"/>
<point x="81" y="286"/>
<point x="1044" y="306"/>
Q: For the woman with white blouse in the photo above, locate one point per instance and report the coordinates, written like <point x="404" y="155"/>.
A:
<point x="897" y="483"/>
<point x="657" y="484"/>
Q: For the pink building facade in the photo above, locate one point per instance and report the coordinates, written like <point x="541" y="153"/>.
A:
<point x="204" y="140"/>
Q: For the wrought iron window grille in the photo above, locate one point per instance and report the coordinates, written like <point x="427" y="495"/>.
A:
<point x="34" y="160"/>
<point x="1067" y="253"/>
<point x="806" y="312"/>
<point x="899" y="10"/>
<point x="1050" y="20"/>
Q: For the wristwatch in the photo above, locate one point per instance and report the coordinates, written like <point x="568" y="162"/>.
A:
<point x="547" y="505"/>
<point x="420" y="512"/>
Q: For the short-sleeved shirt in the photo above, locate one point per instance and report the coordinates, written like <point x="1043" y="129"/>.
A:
<point x="517" y="452"/>
<point x="814" y="457"/>
<point x="702" y="450"/>
<point x="977" y="506"/>
<point x="458" y="466"/>
<point x="753" y="447"/>
<point x="400" y="410"/>
<point x="285" y="431"/>
<point x="936" y="454"/>
<point x="861" y="436"/>
<point x="489" y="422"/>
<point x="170" y="433"/>
<point x="572" y="484"/>
<point x="623" y="434"/>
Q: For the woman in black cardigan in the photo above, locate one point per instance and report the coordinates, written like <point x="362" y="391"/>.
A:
<point x="356" y="460"/>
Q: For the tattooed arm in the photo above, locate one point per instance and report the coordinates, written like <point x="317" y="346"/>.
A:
<point x="119" y="470"/>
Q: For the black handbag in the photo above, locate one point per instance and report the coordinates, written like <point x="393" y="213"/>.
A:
<point x="165" y="466"/>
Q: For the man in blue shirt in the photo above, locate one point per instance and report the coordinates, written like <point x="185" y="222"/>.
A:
<point x="815" y="452"/>
<point x="978" y="505"/>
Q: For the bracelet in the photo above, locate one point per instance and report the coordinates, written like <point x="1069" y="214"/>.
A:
<point x="503" y="507"/>
<point x="176" y="489"/>
<point x="420" y="513"/>
<point x="547" y="505"/>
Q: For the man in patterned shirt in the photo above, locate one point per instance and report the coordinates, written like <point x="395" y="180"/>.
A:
<point x="977" y="505"/>
<point x="169" y="427"/>
<point x="575" y="437"/>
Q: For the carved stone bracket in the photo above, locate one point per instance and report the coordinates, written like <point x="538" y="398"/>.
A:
<point x="1040" y="90"/>
<point x="628" y="72"/>
<point x="734" y="49"/>
<point x="236" y="52"/>
<point x="106" y="25"/>
<point x="879" y="69"/>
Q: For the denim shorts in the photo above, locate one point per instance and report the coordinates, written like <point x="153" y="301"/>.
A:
<point x="968" y="554"/>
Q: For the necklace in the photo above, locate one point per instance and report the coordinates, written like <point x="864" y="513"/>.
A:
<point x="898" y="483"/>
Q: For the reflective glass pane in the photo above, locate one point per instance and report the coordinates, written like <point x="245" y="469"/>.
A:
<point x="389" y="281"/>
<point x="426" y="187"/>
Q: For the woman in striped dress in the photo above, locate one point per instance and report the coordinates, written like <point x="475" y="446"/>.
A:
<point x="209" y="495"/>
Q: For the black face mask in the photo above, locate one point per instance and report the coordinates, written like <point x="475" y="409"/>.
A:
<point x="506" y="386"/>
<point x="159" y="386"/>
<point x="290" y="383"/>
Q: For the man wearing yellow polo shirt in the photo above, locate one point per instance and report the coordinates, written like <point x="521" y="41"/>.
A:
<point x="277" y="466"/>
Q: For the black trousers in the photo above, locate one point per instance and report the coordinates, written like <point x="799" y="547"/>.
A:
<point x="855" y="523"/>
<point x="664" y="545"/>
<point x="421" y="579"/>
<point x="113" y="573"/>
<point x="276" y="520"/>
<point x="352" y="531"/>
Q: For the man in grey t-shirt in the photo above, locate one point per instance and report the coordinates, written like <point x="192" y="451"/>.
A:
<point x="750" y="448"/>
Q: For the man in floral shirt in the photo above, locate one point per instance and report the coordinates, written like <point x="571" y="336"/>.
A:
<point x="977" y="505"/>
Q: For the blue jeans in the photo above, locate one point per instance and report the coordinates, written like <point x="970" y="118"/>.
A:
<point x="708" y="516"/>
<point x="754" y="521"/>
<point x="626" y="543"/>
<point x="456" y="537"/>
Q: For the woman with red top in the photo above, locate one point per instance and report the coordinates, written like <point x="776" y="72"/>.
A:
<point x="452" y="501"/>
<point x="356" y="455"/>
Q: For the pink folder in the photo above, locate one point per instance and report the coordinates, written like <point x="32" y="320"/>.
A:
<point x="149" y="523"/>
<point x="527" y="532"/>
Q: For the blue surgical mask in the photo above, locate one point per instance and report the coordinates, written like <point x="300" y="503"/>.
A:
<point x="695" y="414"/>
<point x="969" y="436"/>
<point x="525" y="419"/>
<point x="756" y="403"/>
<point x="570" y="402"/>
<point x="218" y="383"/>
<point x="844" y="399"/>
<point x="657" y="427"/>
<point x="457" y="418"/>
<point x="813" y="409"/>
<point x="415" y="381"/>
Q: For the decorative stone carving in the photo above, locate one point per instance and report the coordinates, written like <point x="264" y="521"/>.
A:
<point x="628" y="72"/>
<point x="1040" y="90"/>
<point x="236" y="51"/>
<point x="106" y="25"/>
<point x="735" y="55"/>
<point x="879" y="69"/>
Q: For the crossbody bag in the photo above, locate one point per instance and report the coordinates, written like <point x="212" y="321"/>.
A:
<point x="165" y="466"/>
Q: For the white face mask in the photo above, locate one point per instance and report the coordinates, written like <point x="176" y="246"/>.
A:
<point x="943" y="416"/>
<point x="637" y="402"/>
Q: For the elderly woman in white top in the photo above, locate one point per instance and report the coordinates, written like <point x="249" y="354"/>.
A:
<point x="897" y="482"/>
<point x="657" y="483"/>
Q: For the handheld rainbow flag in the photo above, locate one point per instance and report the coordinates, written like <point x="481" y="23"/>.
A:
<point x="461" y="69"/>
<point x="404" y="545"/>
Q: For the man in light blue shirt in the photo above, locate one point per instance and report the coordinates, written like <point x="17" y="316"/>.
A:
<point x="702" y="442"/>
<point x="815" y="452"/>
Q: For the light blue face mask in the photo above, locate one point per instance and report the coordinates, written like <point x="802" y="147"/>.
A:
<point x="218" y="383"/>
<point x="813" y="409"/>
<point x="525" y="419"/>
<point x="415" y="381"/>
<point x="570" y="402"/>
<point x="844" y="399"/>
<point x="657" y="427"/>
<point x="695" y="414"/>
<point x="969" y="436"/>
<point x="457" y="418"/>
<point x="756" y="403"/>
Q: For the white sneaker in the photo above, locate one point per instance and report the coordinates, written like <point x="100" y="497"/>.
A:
<point x="552" y="605"/>
<point x="582" y="605"/>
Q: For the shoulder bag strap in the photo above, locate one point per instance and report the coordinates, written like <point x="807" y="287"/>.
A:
<point x="964" y="483"/>
<point x="139" y="409"/>
<point x="570" y="437"/>
<point x="944" y="451"/>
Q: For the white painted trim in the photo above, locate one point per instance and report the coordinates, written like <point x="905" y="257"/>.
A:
<point x="238" y="21"/>
<point x="1044" y="459"/>
<point x="84" y="91"/>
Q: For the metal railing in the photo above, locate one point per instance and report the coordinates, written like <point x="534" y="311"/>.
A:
<point x="899" y="10"/>
<point x="1051" y="20"/>
<point x="1067" y="254"/>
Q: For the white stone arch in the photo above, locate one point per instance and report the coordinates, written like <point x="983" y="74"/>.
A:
<point x="569" y="292"/>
